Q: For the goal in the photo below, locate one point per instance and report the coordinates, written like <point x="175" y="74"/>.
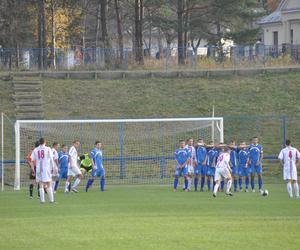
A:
<point x="136" y="151"/>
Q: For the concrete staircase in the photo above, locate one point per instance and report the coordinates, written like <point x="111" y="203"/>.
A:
<point x="28" y="100"/>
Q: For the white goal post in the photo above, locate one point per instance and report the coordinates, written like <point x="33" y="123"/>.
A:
<point x="141" y="143"/>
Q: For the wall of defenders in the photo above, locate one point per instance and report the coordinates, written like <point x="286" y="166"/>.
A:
<point x="217" y="164"/>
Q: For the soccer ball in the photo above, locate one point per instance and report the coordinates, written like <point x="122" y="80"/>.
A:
<point x="265" y="192"/>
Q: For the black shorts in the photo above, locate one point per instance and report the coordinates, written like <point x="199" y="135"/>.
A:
<point x="87" y="169"/>
<point x="31" y="174"/>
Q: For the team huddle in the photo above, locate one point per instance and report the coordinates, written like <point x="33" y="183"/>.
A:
<point x="226" y="163"/>
<point x="48" y="167"/>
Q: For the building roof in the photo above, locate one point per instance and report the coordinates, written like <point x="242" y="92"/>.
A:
<point x="274" y="17"/>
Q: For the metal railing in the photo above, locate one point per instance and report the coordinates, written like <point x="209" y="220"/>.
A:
<point x="201" y="58"/>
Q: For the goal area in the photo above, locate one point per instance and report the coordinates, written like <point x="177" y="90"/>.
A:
<point x="135" y="151"/>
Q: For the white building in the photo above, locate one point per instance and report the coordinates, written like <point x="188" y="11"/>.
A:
<point x="283" y="25"/>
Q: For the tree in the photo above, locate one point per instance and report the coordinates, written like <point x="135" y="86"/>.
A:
<point x="230" y="19"/>
<point x="138" y="34"/>
<point x="120" y="31"/>
<point x="181" y="49"/>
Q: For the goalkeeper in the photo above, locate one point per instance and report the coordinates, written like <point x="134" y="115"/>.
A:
<point x="86" y="165"/>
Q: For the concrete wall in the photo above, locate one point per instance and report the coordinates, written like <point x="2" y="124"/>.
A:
<point x="109" y="75"/>
<point x="268" y="34"/>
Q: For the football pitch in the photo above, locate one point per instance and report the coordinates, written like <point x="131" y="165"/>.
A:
<point x="150" y="217"/>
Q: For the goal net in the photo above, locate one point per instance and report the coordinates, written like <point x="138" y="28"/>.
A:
<point x="135" y="151"/>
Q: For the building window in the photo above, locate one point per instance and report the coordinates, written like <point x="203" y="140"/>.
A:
<point x="292" y="36"/>
<point x="275" y="38"/>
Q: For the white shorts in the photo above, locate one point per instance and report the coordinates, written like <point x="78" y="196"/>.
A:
<point x="190" y="169"/>
<point x="55" y="172"/>
<point x="44" y="176"/>
<point x="290" y="173"/>
<point x="222" y="172"/>
<point x="74" y="171"/>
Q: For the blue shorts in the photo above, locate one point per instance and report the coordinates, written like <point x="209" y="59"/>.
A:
<point x="244" y="171"/>
<point x="235" y="170"/>
<point x="210" y="171"/>
<point x="256" y="169"/>
<point x="201" y="169"/>
<point x="181" y="171"/>
<point x="63" y="174"/>
<point x="99" y="172"/>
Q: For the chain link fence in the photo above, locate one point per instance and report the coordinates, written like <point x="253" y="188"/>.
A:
<point x="201" y="58"/>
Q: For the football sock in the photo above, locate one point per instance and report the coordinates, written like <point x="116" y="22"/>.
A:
<point x="222" y="185"/>
<point x="56" y="185"/>
<point x="76" y="183"/>
<point x="186" y="183"/>
<point x="67" y="186"/>
<point x="235" y="182"/>
<point x="252" y="183"/>
<point x="216" y="187"/>
<point x="202" y="182"/>
<point x="208" y="184"/>
<point x="247" y="182"/>
<point x="102" y="183"/>
<point x="190" y="183"/>
<point x="89" y="183"/>
<point x="196" y="180"/>
<point x="42" y="195"/>
<point x="296" y="188"/>
<point x="38" y="189"/>
<point x="175" y="183"/>
<point x="289" y="189"/>
<point x="259" y="182"/>
<point x="30" y="189"/>
<point x="50" y="194"/>
<point x="228" y="186"/>
<point x="240" y="183"/>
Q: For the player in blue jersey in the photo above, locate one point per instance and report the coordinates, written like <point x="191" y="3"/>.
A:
<point x="96" y="155"/>
<point x="244" y="169"/>
<point x="182" y="156"/>
<point x="211" y="163"/>
<point x="234" y="164"/>
<point x="201" y="168"/>
<point x="255" y="162"/>
<point x="63" y="160"/>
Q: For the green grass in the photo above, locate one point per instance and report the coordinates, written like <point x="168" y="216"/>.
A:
<point x="150" y="217"/>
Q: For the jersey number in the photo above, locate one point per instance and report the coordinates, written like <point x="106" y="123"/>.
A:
<point x="41" y="154"/>
<point x="220" y="158"/>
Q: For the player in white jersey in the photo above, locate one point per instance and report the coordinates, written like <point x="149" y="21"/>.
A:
<point x="73" y="169"/>
<point x="55" y="170"/>
<point x="289" y="158"/>
<point x="44" y="163"/>
<point x="192" y="161"/>
<point x="223" y="170"/>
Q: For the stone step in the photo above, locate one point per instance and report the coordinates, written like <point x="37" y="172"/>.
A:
<point x="33" y="102"/>
<point x="27" y="96"/>
<point x="28" y="82"/>
<point x="27" y="88"/>
<point x="29" y="116"/>
<point x="28" y="109"/>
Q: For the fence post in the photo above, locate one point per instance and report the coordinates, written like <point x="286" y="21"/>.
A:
<point x="2" y="152"/>
<point x="122" y="160"/>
